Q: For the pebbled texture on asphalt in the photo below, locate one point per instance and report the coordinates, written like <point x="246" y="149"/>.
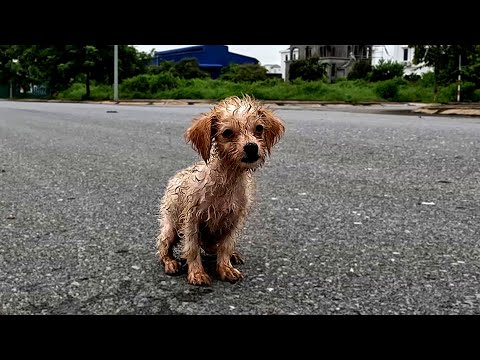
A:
<point x="355" y="213"/>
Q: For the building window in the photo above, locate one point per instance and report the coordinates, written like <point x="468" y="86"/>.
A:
<point x="308" y="52"/>
<point x="333" y="51"/>
<point x="334" y="71"/>
<point x="328" y="51"/>
<point x="286" y="57"/>
<point x="405" y="54"/>
<point x="294" y="54"/>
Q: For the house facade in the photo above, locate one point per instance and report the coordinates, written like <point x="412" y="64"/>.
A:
<point x="285" y="56"/>
<point x="273" y="70"/>
<point x="341" y="58"/>
<point x="399" y="53"/>
<point x="338" y="58"/>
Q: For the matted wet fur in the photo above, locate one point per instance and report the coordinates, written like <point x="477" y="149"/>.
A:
<point x="206" y="204"/>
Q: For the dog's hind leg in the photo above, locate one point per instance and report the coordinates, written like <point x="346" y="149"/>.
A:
<point x="167" y="238"/>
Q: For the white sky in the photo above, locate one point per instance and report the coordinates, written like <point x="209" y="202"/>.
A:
<point x="266" y="54"/>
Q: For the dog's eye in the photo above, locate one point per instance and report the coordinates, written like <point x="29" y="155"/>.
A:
<point x="227" y="133"/>
<point x="259" y="128"/>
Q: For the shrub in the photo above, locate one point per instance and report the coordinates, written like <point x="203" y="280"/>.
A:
<point x="360" y="70"/>
<point x="154" y="70"/>
<point x="412" y="77"/>
<point x="387" y="89"/>
<point x="386" y="70"/>
<point x="400" y="81"/>
<point x="162" y="67"/>
<point x="149" y="84"/>
<point x="307" y="70"/>
<point x="162" y="81"/>
<point x="138" y="83"/>
<point x="244" y="73"/>
<point x="476" y="95"/>
<point x="189" y="69"/>
<point x="467" y="91"/>
<point x="428" y="79"/>
<point x="447" y="93"/>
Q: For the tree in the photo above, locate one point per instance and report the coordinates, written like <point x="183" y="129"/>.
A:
<point x="309" y="70"/>
<point x="244" y="73"/>
<point x="50" y="65"/>
<point x="445" y="62"/>
<point x="163" y="67"/>
<point x="131" y="62"/>
<point x="17" y="65"/>
<point x="471" y="67"/>
<point x="431" y="55"/>
<point x="58" y="66"/>
<point x="189" y="69"/>
<point x="9" y="67"/>
<point x="81" y="60"/>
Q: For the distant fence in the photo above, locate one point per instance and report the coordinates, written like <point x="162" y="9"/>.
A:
<point x="35" y="92"/>
<point x="4" y="91"/>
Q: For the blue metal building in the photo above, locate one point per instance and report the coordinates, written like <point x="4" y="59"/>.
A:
<point x="211" y="58"/>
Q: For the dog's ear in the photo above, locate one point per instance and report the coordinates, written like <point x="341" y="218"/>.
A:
<point x="200" y="135"/>
<point x="274" y="128"/>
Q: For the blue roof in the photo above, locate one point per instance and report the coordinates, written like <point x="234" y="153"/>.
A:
<point x="173" y="51"/>
<point x="210" y="65"/>
<point x="217" y="55"/>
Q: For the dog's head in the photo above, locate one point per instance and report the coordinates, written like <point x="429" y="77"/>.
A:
<point x="242" y="129"/>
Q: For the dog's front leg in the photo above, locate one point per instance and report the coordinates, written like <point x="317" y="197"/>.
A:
<point x="191" y="251"/>
<point x="225" y="250"/>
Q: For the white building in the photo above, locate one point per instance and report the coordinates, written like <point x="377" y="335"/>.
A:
<point x="273" y="68"/>
<point x="399" y="53"/>
<point x="284" y="57"/>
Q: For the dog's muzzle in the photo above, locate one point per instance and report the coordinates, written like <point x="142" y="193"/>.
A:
<point x="251" y="153"/>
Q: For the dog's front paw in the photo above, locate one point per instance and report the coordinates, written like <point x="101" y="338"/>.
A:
<point x="229" y="273"/>
<point x="236" y="259"/>
<point x="171" y="267"/>
<point x="198" y="278"/>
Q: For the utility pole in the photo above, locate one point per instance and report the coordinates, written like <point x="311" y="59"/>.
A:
<point x="115" y="72"/>
<point x="459" y="76"/>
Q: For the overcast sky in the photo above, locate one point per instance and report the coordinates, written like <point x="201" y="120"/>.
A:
<point x="266" y="54"/>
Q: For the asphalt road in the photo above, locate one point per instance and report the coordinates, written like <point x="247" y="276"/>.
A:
<point x="356" y="213"/>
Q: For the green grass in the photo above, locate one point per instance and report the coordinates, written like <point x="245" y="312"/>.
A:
<point x="415" y="93"/>
<point x="77" y="92"/>
<point x="354" y="91"/>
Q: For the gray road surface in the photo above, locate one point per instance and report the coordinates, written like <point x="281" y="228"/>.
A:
<point x="356" y="213"/>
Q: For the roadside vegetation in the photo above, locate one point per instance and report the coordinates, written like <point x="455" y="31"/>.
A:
<point x="162" y="86"/>
<point x="84" y="73"/>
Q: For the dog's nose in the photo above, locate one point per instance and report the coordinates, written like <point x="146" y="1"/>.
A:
<point x="251" y="149"/>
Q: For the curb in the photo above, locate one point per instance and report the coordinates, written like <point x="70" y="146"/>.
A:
<point x="463" y="109"/>
<point x="196" y="101"/>
<point x="450" y="109"/>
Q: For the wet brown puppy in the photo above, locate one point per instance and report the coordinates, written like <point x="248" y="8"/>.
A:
<point x="206" y="204"/>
